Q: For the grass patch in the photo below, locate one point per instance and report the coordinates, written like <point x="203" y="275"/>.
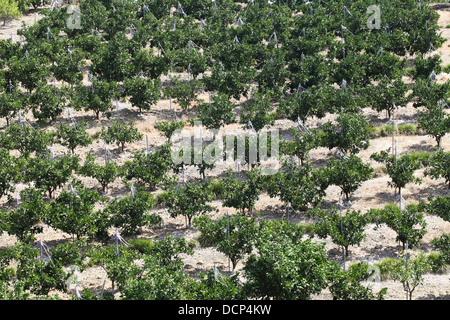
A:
<point x="218" y="188"/>
<point x="143" y="246"/>
<point x="379" y="171"/>
<point x="401" y="129"/>
<point x="161" y="199"/>
<point x="387" y="268"/>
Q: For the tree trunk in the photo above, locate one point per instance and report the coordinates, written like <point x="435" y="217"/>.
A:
<point x="233" y="264"/>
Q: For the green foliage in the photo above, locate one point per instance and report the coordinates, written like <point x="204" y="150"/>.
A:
<point x="120" y="133"/>
<point x="47" y="103"/>
<point x="286" y="270"/>
<point x="385" y="94"/>
<point x="346" y="285"/>
<point x="23" y="222"/>
<point x="11" y="104"/>
<point x="48" y="173"/>
<point x="232" y="235"/>
<point x="73" y="136"/>
<point x="203" y="158"/>
<point x="423" y="67"/>
<point x="112" y="61"/>
<point x="10" y="169"/>
<point x="251" y="148"/>
<point x="129" y="213"/>
<point x="242" y="195"/>
<point x="143" y="93"/>
<point x="190" y="60"/>
<point x="105" y="174"/>
<point x="217" y="113"/>
<point x="400" y="169"/>
<point x="352" y="134"/>
<point x="386" y="130"/>
<point x="26" y="139"/>
<point x="283" y="266"/>
<point x="69" y="66"/>
<point x="439" y="166"/>
<point x="442" y="243"/>
<point x="304" y="103"/>
<point x="302" y="144"/>
<point x="184" y="93"/>
<point x="149" y="168"/>
<point x="409" y="225"/>
<point x="215" y="286"/>
<point x="345" y="230"/>
<point x="429" y="93"/>
<point x="258" y="112"/>
<point x="31" y="70"/>
<point x="97" y="97"/>
<point x="69" y="254"/>
<point x="271" y="229"/>
<point x="151" y="64"/>
<point x="299" y="186"/>
<point x="348" y="173"/>
<point x="111" y="258"/>
<point x="73" y="212"/>
<point x="410" y="272"/>
<point x="233" y="82"/>
<point x="18" y="291"/>
<point x="189" y="200"/>
<point x="148" y="279"/>
<point x="9" y="10"/>
<point x="434" y="121"/>
<point x="152" y="281"/>
<point x="169" y="127"/>
<point x="217" y="188"/>
<point x="272" y="75"/>
<point x="438" y="206"/>
<point x="37" y="274"/>
<point x="166" y="251"/>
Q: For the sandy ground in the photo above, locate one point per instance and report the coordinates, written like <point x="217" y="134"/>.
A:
<point x="375" y="193"/>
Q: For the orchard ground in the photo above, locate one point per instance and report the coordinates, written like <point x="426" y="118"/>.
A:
<point x="374" y="193"/>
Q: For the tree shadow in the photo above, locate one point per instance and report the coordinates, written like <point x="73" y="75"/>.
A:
<point x="376" y="253"/>
<point x="166" y="114"/>
<point x="383" y="197"/>
<point x="431" y="296"/>
<point x="420" y="147"/>
<point x="377" y="120"/>
<point x="112" y="154"/>
<point x="280" y="212"/>
<point x="441" y="6"/>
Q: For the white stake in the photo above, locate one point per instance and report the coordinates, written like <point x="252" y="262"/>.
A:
<point x="342" y="232"/>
